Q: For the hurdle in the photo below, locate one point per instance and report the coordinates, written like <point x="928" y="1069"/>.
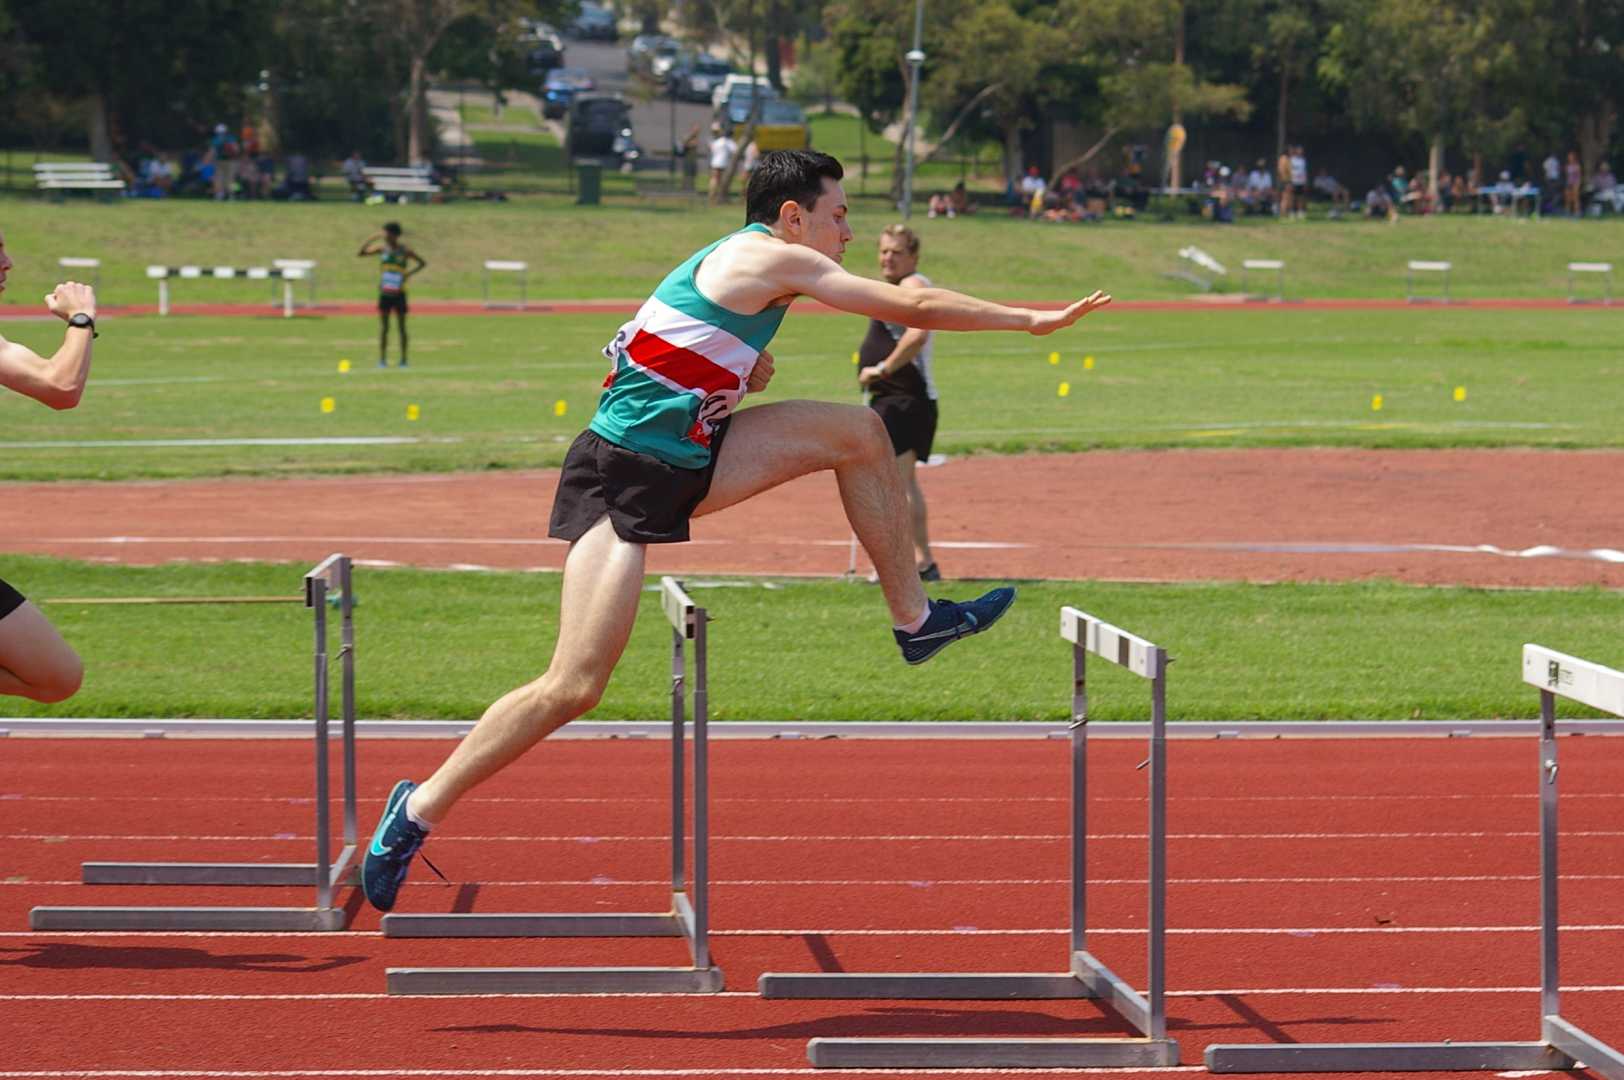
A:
<point x="331" y="578"/>
<point x="1603" y="269"/>
<point x="1277" y="265"/>
<point x="1562" y="1045"/>
<point x="287" y="275"/>
<point x="1425" y="266"/>
<point x="1088" y="976"/>
<point x="69" y="262"/>
<point x="508" y="266"/>
<point x="309" y="268"/>
<point x="689" y="915"/>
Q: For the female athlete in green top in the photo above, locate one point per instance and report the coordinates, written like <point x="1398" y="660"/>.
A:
<point x="394" y="260"/>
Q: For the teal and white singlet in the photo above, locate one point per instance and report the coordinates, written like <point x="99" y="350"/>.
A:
<point x="680" y="368"/>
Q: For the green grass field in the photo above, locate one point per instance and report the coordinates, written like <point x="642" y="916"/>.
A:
<point x="441" y="644"/>
<point x="487" y="387"/>
<point x="619" y="250"/>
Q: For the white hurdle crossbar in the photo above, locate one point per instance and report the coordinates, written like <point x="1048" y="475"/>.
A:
<point x="1088" y="976"/>
<point x="1277" y="265"/>
<point x="287" y="275"/>
<point x="690" y="907"/>
<point x="69" y="262"/>
<point x="308" y="268"/>
<point x="505" y="266"/>
<point x="1562" y="1045"/>
<point x="327" y="874"/>
<point x="1602" y="269"/>
<point x="1425" y="266"/>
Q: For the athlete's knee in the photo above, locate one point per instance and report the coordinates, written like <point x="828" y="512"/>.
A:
<point x="570" y="693"/>
<point x="58" y="680"/>
<point x="865" y="438"/>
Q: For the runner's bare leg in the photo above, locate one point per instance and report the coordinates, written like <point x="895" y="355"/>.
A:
<point x="35" y="662"/>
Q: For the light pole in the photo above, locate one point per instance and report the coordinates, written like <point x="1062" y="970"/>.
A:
<point x="916" y="59"/>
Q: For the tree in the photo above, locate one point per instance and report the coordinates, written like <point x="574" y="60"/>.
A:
<point x="1289" y="46"/>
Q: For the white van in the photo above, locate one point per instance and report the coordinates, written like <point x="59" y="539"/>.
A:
<point x="724" y="89"/>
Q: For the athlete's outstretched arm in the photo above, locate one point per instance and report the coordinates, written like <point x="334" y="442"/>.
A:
<point x="808" y="273"/>
<point x="60" y="381"/>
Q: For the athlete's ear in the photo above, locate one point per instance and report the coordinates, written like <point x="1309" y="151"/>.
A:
<point x="791" y="217"/>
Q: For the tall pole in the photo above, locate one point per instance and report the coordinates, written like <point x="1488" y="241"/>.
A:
<point x="916" y="58"/>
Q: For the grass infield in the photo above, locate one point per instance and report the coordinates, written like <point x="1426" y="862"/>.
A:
<point x="488" y="388"/>
<point x="438" y="644"/>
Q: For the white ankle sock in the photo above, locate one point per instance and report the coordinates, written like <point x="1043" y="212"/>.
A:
<point x="906" y="628"/>
<point x="417" y="819"/>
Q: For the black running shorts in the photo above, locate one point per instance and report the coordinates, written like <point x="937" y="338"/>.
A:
<point x="10" y="599"/>
<point x="391" y="301"/>
<point x="647" y="501"/>
<point x="910" y="421"/>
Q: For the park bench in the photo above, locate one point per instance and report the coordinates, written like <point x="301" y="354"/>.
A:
<point x="395" y="180"/>
<point x="57" y="178"/>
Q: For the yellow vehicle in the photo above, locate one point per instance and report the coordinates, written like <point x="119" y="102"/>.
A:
<point x="781" y="125"/>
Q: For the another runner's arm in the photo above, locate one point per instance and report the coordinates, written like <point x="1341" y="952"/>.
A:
<point x="806" y="272"/>
<point x="60" y="381"/>
<point x="366" y="246"/>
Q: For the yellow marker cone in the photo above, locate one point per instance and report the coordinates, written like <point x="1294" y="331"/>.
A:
<point x="1054" y="358"/>
<point x="559" y="408"/>
<point x="1460" y="393"/>
<point x="327" y="404"/>
<point x="1065" y="389"/>
<point x="413" y="412"/>
<point x="1376" y="403"/>
<point x="343" y="366"/>
<point x="854" y="359"/>
<point x="1088" y="363"/>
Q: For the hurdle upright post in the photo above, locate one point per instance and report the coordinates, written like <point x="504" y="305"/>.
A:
<point x="1087" y="976"/>
<point x="1561" y="1045"/>
<point x="687" y="919"/>
<point x="327" y="873"/>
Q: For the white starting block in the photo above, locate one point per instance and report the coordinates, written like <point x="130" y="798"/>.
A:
<point x="505" y="266"/>
<point x="1425" y="266"/>
<point x="93" y="265"/>
<point x="1277" y="265"/>
<point x="287" y="275"/>
<point x="309" y="268"/>
<point x="1605" y="270"/>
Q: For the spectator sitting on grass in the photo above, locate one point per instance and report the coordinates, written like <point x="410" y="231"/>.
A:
<point x="1220" y="206"/>
<point x="1032" y="189"/>
<point x="1331" y="188"/>
<point x="156" y="176"/>
<point x="355" y="174"/>
<point x="1605" y="190"/>
<point x="1258" y="195"/>
<point x="1379" y="203"/>
<point x="941" y="205"/>
<point x="958" y="200"/>
<point x="296" y="181"/>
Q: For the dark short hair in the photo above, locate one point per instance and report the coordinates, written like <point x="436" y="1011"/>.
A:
<point x="392" y="228"/>
<point x="782" y="175"/>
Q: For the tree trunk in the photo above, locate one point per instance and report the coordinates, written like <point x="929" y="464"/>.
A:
<point x="417" y="110"/>
<point x="1175" y="170"/>
<point x="1085" y="157"/>
<point x="1435" y="163"/>
<point x="1280" y="119"/>
<point x="1012" y="157"/>
<point x="1595" y="136"/>
<point x="101" y="140"/>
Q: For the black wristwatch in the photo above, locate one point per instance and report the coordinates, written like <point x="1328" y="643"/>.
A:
<point x="84" y="322"/>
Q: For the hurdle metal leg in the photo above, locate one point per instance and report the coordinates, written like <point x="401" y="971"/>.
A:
<point x="1562" y="1045"/>
<point x="327" y="874"/>
<point x="689" y="914"/>
<point x="1088" y="977"/>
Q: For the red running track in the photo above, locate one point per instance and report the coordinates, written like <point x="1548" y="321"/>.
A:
<point x="1331" y="890"/>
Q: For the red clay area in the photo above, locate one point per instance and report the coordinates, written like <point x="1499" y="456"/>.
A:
<point x="1508" y="518"/>
<point x="1367" y="904"/>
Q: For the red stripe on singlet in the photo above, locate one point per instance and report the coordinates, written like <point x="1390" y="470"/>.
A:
<point x="682" y="366"/>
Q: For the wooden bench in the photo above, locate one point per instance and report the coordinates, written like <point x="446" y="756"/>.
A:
<point x="398" y="180"/>
<point x="60" y="177"/>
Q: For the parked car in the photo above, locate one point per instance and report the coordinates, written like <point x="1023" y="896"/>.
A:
<point x="560" y="89"/>
<point x="640" y="54"/>
<point x="725" y="89"/>
<point x="695" y="75"/>
<point x="594" y="23"/>
<point x="781" y="125"/>
<point x="546" y="48"/>
<point x="600" y="126"/>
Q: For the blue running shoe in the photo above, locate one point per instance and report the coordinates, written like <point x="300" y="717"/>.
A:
<point x="950" y="621"/>
<point x="390" y="854"/>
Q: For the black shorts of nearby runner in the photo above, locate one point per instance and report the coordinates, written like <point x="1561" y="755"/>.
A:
<point x="391" y="301"/>
<point x="1301" y="191"/>
<point x="910" y="421"/>
<point x="648" y="501"/>
<point x="10" y="599"/>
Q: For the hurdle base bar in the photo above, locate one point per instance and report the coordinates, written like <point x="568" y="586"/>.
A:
<point x="1594" y="1055"/>
<point x="991" y="1053"/>
<point x="564" y="980"/>
<point x="922" y="986"/>
<point x="519" y="925"/>
<point x="295" y="920"/>
<point x="1384" y="1057"/>
<point x="295" y="874"/>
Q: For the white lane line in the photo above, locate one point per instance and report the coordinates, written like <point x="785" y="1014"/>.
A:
<point x="807" y="800"/>
<point x="951" y="932"/>
<point x="906" y="838"/>
<point x="1261" y="991"/>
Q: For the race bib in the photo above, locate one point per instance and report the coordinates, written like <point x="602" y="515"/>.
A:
<point x="391" y="282"/>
